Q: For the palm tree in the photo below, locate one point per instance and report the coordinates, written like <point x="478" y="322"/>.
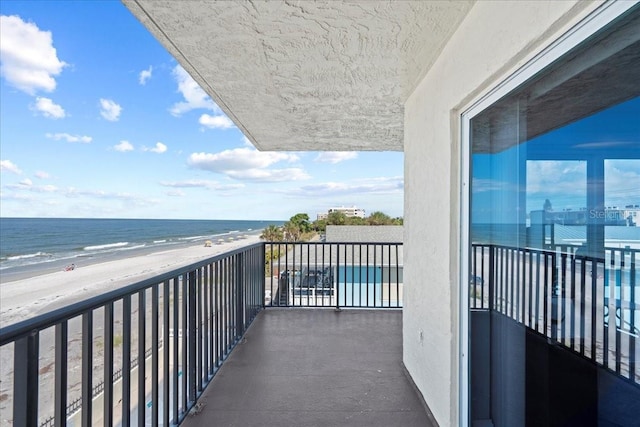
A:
<point x="292" y="232"/>
<point x="272" y="233"/>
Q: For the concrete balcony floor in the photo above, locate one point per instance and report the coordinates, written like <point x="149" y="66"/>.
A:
<point x="315" y="367"/>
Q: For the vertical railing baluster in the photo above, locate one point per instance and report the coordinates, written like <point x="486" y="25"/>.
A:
<point x="594" y="304"/>
<point x="184" y="330"/>
<point x="198" y="327"/>
<point x="239" y="280"/>
<point x="530" y="302"/>
<point x="126" y="360"/>
<point x="547" y="297"/>
<point x="211" y="320"/>
<point x="492" y="275"/>
<point x="142" y="328"/>
<point x="191" y="335"/>
<point x="61" y="347"/>
<point x="205" y="322"/>
<point x="606" y="301"/>
<point x="165" y="353"/>
<point x="632" y="316"/>
<point x="87" y="368"/>
<point x="398" y="275"/>
<point x="583" y="281"/>
<point x="108" y="365"/>
<point x="353" y="274"/>
<point x="25" y="391"/>
<point x="375" y="274"/>
<point x="572" y="330"/>
<point x="218" y="333"/>
<point x="175" y="398"/>
<point x="618" y="302"/>
<point x="561" y="294"/>
<point x="155" y="298"/>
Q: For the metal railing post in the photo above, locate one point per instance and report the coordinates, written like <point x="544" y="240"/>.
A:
<point x="60" y="411"/>
<point x="108" y="365"/>
<point x="239" y="282"/>
<point x="192" y="336"/>
<point x="25" y="391"/>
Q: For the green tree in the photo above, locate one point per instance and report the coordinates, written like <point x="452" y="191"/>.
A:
<point x="292" y="232"/>
<point x="336" y="218"/>
<point x="301" y="220"/>
<point x="355" y="220"/>
<point x="379" y="218"/>
<point x="272" y="233"/>
<point x="319" y="225"/>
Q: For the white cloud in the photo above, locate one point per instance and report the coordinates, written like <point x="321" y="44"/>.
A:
<point x="42" y="175"/>
<point x="123" y="146"/>
<point x="216" y="122"/>
<point x="249" y="164"/>
<point x="110" y="110"/>
<point x="175" y="193"/>
<point x="69" y="138"/>
<point x="270" y="175"/>
<point x="553" y="178"/>
<point x="47" y="108"/>
<point x="9" y="166"/>
<point x="194" y="96"/>
<point x="27" y="185"/>
<point x="158" y="148"/>
<point x="211" y="185"/>
<point x="334" y="157"/>
<point x="145" y="75"/>
<point x="381" y="185"/>
<point x="239" y="158"/>
<point x="622" y="182"/>
<point x="28" y="60"/>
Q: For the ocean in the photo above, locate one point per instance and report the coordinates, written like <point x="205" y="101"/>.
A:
<point x="39" y="245"/>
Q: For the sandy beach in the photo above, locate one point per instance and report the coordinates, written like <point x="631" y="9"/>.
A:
<point x="28" y="297"/>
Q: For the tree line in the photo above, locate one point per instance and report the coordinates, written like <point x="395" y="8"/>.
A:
<point x="300" y="228"/>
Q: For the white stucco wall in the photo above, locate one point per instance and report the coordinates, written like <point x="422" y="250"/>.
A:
<point x="494" y="40"/>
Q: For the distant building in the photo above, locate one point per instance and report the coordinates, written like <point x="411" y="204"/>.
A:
<point x="348" y="212"/>
<point x="631" y="213"/>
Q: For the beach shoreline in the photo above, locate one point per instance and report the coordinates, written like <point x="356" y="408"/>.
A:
<point x="27" y="294"/>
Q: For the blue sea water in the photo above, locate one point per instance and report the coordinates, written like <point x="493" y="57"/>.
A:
<point x="38" y="244"/>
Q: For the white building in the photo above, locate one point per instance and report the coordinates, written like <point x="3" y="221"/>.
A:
<point x="632" y="214"/>
<point x="348" y="212"/>
<point x="451" y="84"/>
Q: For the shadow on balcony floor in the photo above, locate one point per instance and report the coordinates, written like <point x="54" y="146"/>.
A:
<point x="306" y="367"/>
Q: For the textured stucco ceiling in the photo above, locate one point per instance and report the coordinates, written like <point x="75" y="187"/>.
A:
<point x="303" y="75"/>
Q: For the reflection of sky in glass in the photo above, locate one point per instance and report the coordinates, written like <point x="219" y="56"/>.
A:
<point x="556" y="167"/>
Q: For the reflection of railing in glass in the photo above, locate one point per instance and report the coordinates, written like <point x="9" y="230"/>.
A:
<point x="566" y="297"/>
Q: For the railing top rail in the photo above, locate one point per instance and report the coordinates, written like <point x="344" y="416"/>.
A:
<point x="12" y="332"/>
<point x="333" y="243"/>
<point x="546" y="250"/>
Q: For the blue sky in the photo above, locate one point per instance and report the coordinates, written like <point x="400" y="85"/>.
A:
<point x="99" y="121"/>
<point x="612" y="134"/>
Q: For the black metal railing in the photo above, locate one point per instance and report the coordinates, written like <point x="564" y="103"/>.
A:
<point x="590" y="306"/>
<point x="339" y="275"/>
<point x="137" y="355"/>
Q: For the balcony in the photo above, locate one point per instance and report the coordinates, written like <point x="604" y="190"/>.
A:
<point x="300" y="367"/>
<point x="100" y="361"/>
<point x="311" y="334"/>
